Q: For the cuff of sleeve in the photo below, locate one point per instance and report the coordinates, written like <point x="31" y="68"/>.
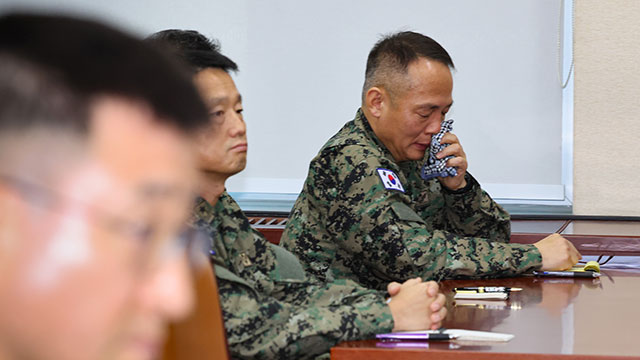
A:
<point x="527" y="256"/>
<point x="471" y="184"/>
<point x="375" y="319"/>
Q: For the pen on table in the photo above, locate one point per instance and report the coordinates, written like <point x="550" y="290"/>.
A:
<point x="485" y="289"/>
<point x="573" y="274"/>
<point x="416" y="336"/>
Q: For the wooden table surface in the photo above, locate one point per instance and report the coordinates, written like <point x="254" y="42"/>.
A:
<point x="551" y="318"/>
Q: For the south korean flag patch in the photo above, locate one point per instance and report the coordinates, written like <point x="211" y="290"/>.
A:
<point x="390" y="180"/>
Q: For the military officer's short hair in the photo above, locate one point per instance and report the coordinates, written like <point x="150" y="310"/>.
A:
<point x="196" y="50"/>
<point x="390" y="57"/>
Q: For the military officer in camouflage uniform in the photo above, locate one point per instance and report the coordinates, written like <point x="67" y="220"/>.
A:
<point x="366" y="214"/>
<point x="271" y="308"/>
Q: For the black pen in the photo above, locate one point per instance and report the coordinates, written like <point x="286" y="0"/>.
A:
<point x="573" y="274"/>
<point x="486" y="289"/>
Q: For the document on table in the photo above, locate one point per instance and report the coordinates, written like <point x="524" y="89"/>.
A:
<point x="483" y="295"/>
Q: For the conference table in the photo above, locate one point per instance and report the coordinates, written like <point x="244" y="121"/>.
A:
<point x="551" y="318"/>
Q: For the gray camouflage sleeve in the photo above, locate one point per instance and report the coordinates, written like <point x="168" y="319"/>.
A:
<point x="260" y="327"/>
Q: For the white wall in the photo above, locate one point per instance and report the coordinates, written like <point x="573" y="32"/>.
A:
<point x="607" y="128"/>
<point x="302" y="67"/>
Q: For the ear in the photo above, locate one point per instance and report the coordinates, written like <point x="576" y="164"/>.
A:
<point x="374" y="101"/>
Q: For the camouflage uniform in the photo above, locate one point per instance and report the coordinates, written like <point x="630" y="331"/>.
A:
<point x="346" y="224"/>
<point x="271" y="309"/>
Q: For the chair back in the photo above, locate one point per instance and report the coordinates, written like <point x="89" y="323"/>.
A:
<point x="202" y="334"/>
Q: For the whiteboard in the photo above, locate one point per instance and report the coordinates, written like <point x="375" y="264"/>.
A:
<point x="302" y="67"/>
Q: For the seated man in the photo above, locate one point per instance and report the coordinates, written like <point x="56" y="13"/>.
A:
<point x="96" y="181"/>
<point x="271" y="308"/>
<point x="366" y="214"/>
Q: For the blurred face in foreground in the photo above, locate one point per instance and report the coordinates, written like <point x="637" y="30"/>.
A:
<point x="90" y="265"/>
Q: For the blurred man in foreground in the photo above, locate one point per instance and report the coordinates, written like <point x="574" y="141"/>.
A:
<point x="96" y="177"/>
<point x="271" y="308"/>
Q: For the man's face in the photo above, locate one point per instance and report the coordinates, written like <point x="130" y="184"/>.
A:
<point x="88" y="273"/>
<point x="410" y="117"/>
<point x="222" y="146"/>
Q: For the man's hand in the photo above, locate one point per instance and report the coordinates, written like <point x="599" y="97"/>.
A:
<point x="458" y="161"/>
<point x="416" y="305"/>
<point x="557" y="253"/>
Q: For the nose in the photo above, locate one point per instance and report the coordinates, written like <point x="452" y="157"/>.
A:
<point x="238" y="127"/>
<point x="434" y="124"/>
<point x="169" y="290"/>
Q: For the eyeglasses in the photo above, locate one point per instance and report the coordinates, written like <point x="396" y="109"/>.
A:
<point x="155" y="243"/>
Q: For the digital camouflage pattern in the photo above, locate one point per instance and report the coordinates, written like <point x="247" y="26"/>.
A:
<point x="272" y="312"/>
<point x="346" y="224"/>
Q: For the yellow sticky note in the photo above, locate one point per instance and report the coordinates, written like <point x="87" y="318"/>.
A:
<point x="589" y="266"/>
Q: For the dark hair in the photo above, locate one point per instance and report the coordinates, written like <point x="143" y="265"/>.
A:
<point x="93" y="59"/>
<point x="393" y="53"/>
<point x="194" y="49"/>
<point x="31" y="97"/>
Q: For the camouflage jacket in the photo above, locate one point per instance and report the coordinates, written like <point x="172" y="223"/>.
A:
<point x="347" y="224"/>
<point x="271" y="309"/>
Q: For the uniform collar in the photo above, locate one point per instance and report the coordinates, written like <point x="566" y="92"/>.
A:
<point x="362" y="122"/>
<point x="202" y="210"/>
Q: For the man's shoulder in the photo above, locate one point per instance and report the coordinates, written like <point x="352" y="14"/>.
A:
<point x="226" y="213"/>
<point x="351" y="140"/>
<point x="349" y="134"/>
<point x="351" y="150"/>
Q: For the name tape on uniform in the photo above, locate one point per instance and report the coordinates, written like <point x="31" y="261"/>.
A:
<point x="390" y="180"/>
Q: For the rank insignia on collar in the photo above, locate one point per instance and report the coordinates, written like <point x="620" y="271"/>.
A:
<point x="390" y="180"/>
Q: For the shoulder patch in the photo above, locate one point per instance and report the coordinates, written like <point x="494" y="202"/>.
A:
<point x="390" y="180"/>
